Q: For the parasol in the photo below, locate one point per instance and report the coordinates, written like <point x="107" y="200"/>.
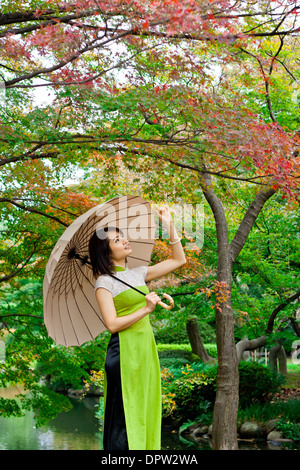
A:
<point x="71" y="312"/>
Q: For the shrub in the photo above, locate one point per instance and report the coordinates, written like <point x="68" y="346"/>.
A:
<point x="170" y="333"/>
<point x="186" y="389"/>
<point x="290" y="431"/>
<point x="257" y="383"/>
<point x="211" y="350"/>
<point x="181" y="354"/>
<point x="175" y="357"/>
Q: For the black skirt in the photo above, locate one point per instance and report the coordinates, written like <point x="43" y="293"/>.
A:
<point x="114" y="436"/>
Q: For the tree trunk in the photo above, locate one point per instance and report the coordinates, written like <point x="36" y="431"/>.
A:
<point x="224" y="432"/>
<point x="282" y="363"/>
<point x="227" y="398"/>
<point x="196" y="341"/>
<point x="277" y="359"/>
<point x="273" y="357"/>
<point x="224" y="435"/>
<point x="224" y="429"/>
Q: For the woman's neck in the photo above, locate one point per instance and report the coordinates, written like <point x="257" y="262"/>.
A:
<point x="121" y="264"/>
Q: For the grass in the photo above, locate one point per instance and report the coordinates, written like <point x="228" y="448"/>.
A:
<point x="171" y="347"/>
<point x="289" y="411"/>
<point x="292" y="380"/>
<point x="210" y="348"/>
<point x="293" y="376"/>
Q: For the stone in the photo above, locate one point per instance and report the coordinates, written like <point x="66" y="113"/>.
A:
<point x="191" y="429"/>
<point x="277" y="436"/>
<point x="274" y="435"/>
<point x="75" y="393"/>
<point x="200" y="430"/>
<point x="250" y="429"/>
<point x="271" y="425"/>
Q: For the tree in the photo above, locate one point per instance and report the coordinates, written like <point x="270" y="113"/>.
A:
<point x="265" y="278"/>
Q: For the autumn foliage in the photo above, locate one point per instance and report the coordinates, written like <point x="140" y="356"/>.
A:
<point x="163" y="105"/>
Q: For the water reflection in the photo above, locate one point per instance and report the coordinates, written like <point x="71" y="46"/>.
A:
<point x="77" y="429"/>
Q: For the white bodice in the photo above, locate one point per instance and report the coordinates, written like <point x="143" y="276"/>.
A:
<point x="134" y="276"/>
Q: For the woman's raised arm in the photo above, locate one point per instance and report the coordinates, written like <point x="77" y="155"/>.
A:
<point x="177" y="257"/>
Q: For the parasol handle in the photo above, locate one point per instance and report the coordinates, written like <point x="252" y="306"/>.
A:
<point x="162" y="304"/>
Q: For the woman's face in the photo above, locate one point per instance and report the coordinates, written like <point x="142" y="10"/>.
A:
<point x="119" y="247"/>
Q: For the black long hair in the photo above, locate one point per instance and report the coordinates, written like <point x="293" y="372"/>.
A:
<point x="100" y="252"/>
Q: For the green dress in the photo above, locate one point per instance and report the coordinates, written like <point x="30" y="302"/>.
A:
<point x="139" y="363"/>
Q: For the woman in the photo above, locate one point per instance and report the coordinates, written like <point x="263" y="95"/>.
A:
<point x="132" y="417"/>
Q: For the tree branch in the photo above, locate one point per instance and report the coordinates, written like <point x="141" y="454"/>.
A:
<point x="28" y="156"/>
<point x="35" y="211"/>
<point x="21" y="315"/>
<point x="246" y="344"/>
<point x="224" y="271"/>
<point x="16" y="271"/>
<point x="44" y="20"/>
<point x="249" y="344"/>
<point x="278" y="309"/>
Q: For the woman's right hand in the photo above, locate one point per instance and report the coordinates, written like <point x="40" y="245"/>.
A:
<point x="151" y="301"/>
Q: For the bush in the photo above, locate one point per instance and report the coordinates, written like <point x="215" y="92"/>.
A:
<point x="211" y="350"/>
<point x="180" y="354"/>
<point x="177" y="334"/>
<point x="185" y="390"/>
<point x="290" y="431"/>
<point x="175" y="357"/>
<point x="192" y="386"/>
<point x="257" y="383"/>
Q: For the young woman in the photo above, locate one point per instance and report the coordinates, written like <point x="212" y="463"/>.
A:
<point x="132" y="417"/>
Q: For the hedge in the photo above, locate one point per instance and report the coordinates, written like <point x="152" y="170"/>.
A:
<point x="189" y="389"/>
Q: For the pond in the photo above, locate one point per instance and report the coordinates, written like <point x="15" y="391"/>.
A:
<point x="78" y="429"/>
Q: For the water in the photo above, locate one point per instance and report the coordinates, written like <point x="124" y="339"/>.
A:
<point x="78" y="429"/>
